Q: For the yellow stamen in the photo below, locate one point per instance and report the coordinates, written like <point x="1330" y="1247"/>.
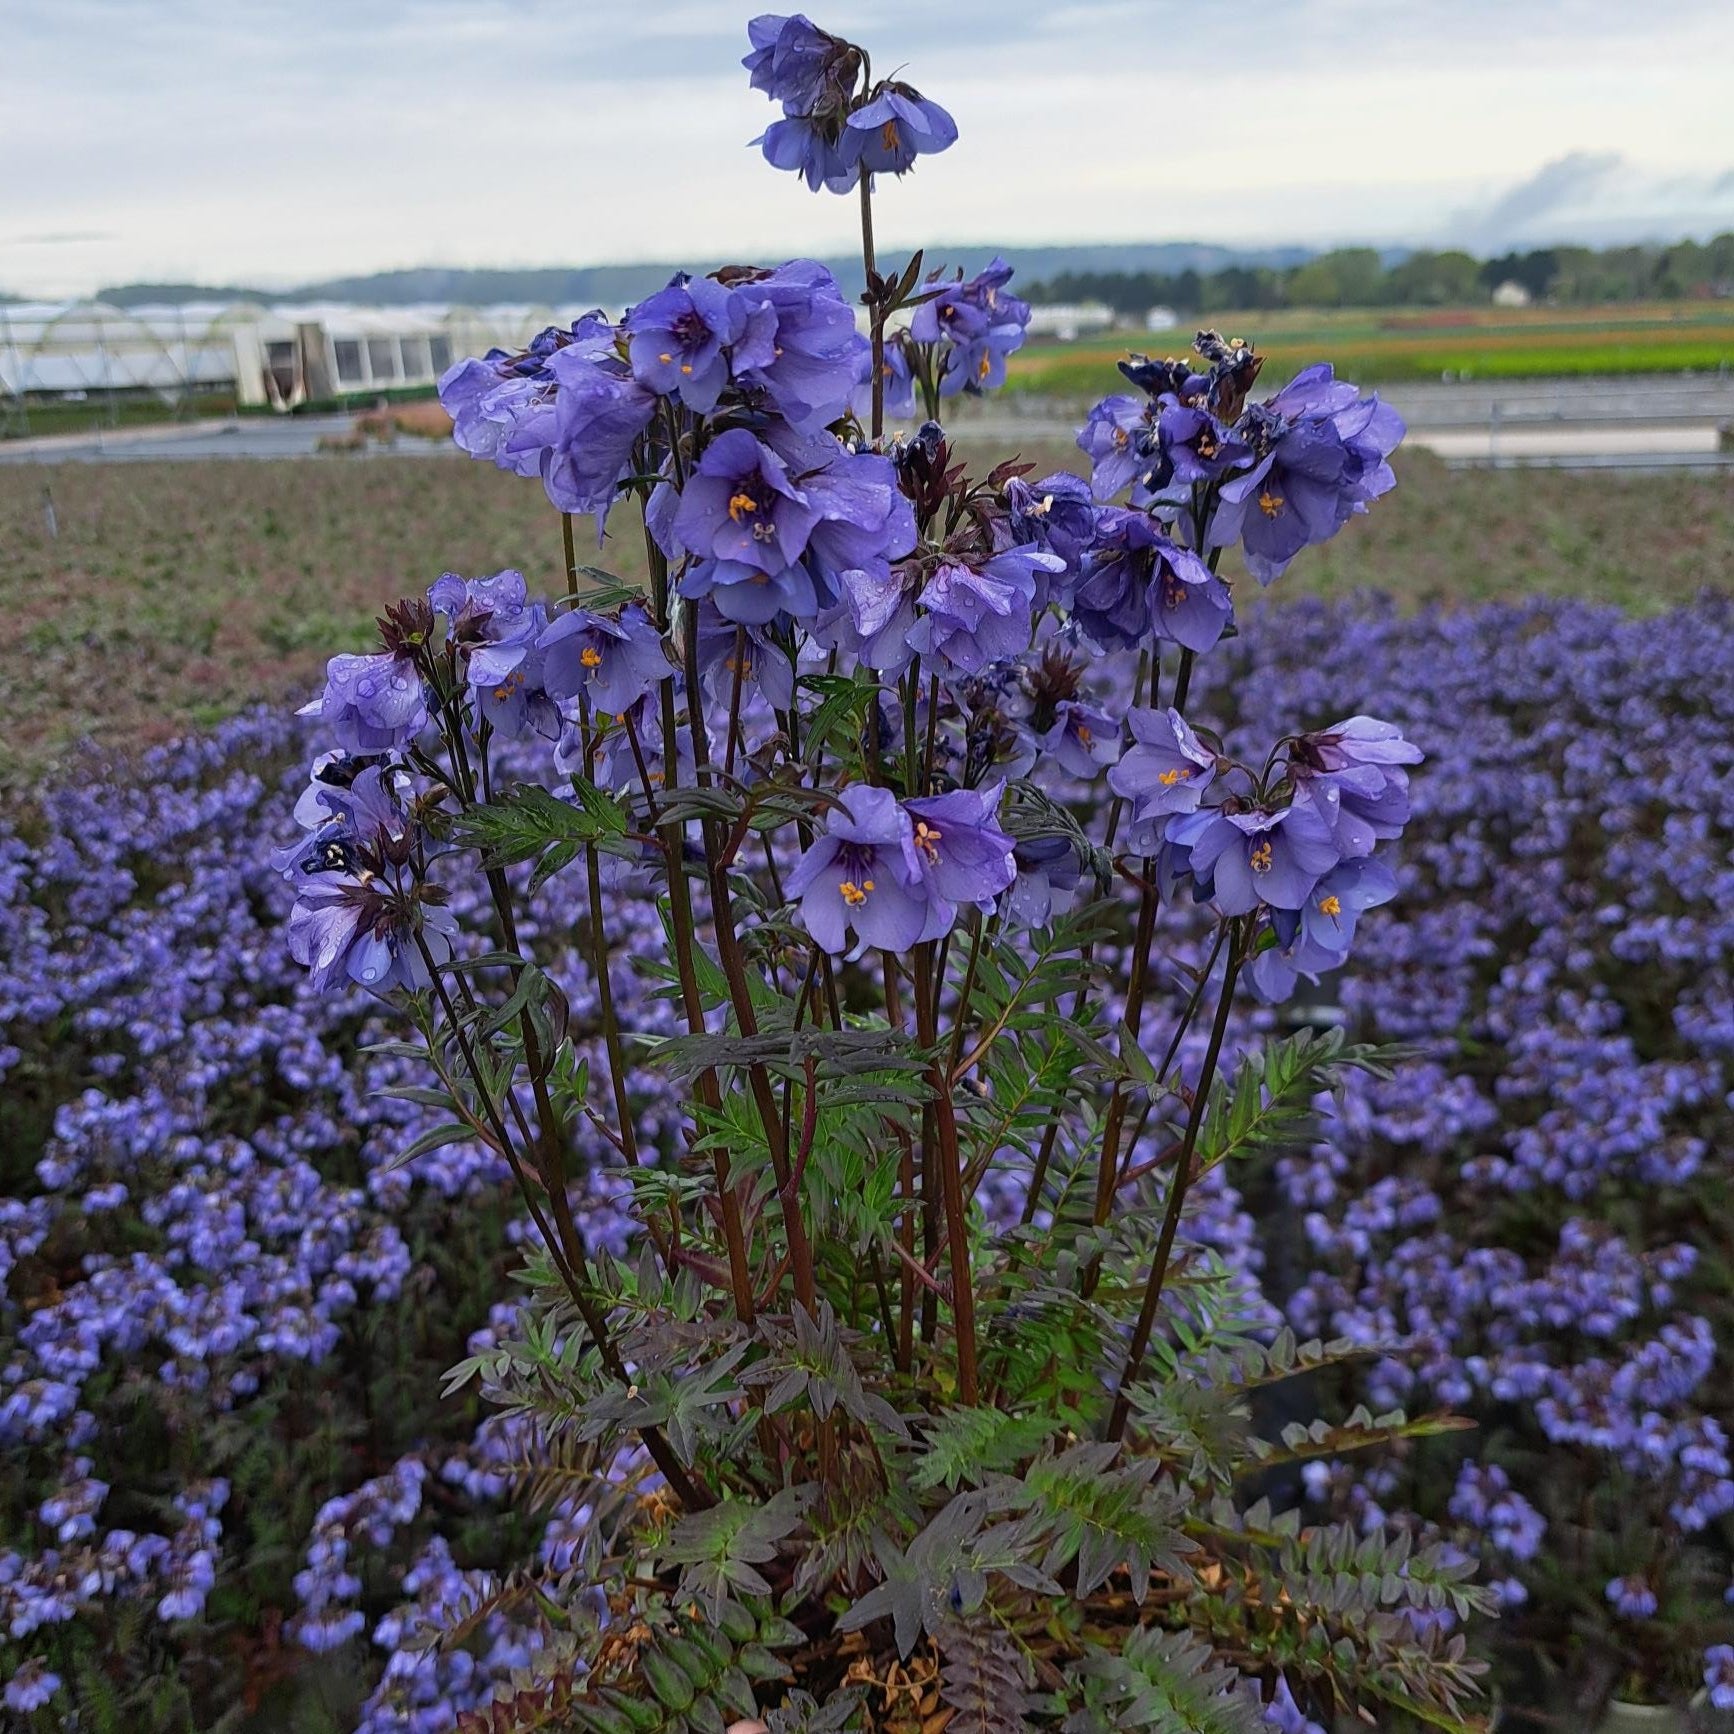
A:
<point x="888" y="135"/>
<point x="927" y="839"/>
<point x="1261" y="857"/>
<point x="853" y="894"/>
<point x="1169" y="778"/>
<point x="665" y="357"/>
<point x="1330" y="906"/>
<point x="1084" y="734"/>
<point x="1270" y="504"/>
<point x="590" y="656"/>
<point x="740" y="505"/>
<point x="686" y="367"/>
<point x="984" y="367"/>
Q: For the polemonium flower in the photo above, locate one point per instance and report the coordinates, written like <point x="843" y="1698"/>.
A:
<point x="1082" y="738"/>
<point x="599" y="411"/>
<point x="1165" y="771"/>
<point x="886" y="134"/>
<point x="495" y="399"/>
<point x="495" y="628"/>
<point x="863" y="875"/>
<point x="1318" y="454"/>
<point x="683" y="340"/>
<point x="1632" y="1598"/>
<point x="897" y="374"/>
<point x="980" y="322"/>
<point x="609" y="661"/>
<point x="728" y="651"/>
<point x="974" y="615"/>
<point x="812" y="148"/>
<point x="361" y="929"/>
<point x="349" y="826"/>
<point x="1257" y="855"/>
<point x="1049" y="871"/>
<point x="816" y="360"/>
<point x="371" y="703"/>
<point x="862" y="520"/>
<point x="1353" y="773"/>
<point x="1119" y="439"/>
<point x="1318" y="936"/>
<point x="1719" y="1676"/>
<point x="1138" y="583"/>
<point x="30" y="1687"/>
<point x="1059" y="515"/>
<point x="965" y="857"/>
<point x="796" y="63"/>
<point x="871" y="620"/>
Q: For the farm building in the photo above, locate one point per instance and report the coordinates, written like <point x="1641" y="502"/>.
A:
<point x="260" y="356"/>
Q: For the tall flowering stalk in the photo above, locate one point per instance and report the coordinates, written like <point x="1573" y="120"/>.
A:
<point x="915" y="1376"/>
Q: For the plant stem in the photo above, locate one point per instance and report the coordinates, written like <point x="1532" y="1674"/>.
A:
<point x="1177" y="1190"/>
<point x="875" y="306"/>
<point x="950" y="1178"/>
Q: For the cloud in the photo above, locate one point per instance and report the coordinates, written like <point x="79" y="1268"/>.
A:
<point x="1597" y="198"/>
<point x="64" y="238"/>
<point x="1561" y="186"/>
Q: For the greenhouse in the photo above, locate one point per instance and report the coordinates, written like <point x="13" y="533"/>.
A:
<point x="278" y="357"/>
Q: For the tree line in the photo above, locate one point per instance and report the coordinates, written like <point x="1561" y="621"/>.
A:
<point x="1361" y="277"/>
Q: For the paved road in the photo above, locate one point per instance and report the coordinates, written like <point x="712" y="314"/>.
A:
<point x="1639" y="423"/>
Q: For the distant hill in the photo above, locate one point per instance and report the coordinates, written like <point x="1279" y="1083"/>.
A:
<point x="613" y="286"/>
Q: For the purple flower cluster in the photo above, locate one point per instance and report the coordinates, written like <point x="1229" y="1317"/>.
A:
<point x="1271" y="478"/>
<point x="832" y="131"/>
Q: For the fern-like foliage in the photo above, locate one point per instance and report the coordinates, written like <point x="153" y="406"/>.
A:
<point x="1165" y="1683"/>
<point x="983" y="1681"/>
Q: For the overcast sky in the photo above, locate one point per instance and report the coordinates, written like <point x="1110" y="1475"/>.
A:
<point x="277" y="141"/>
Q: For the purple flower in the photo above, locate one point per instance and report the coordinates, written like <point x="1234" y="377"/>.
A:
<point x="862" y="519"/>
<point x="887" y="134"/>
<point x="1049" y="872"/>
<point x="1319" y="454"/>
<point x="350" y="825"/>
<point x="981" y="325"/>
<point x="1632" y="1598"/>
<point x="683" y="340"/>
<point x="363" y="929"/>
<point x="1119" y="439"/>
<point x="1353" y="774"/>
<point x="30" y="1686"/>
<point x="864" y="874"/>
<point x="797" y="64"/>
<point x="761" y="663"/>
<point x="1137" y="583"/>
<point x="1059" y="515"/>
<point x="898" y="373"/>
<point x="609" y="663"/>
<point x="1082" y="739"/>
<point x="1319" y="936"/>
<point x="1166" y="771"/>
<point x="815" y="362"/>
<point x="599" y="412"/>
<point x="1259" y="855"/>
<point x="812" y="149"/>
<point x="871" y="620"/>
<point x="371" y="703"/>
<point x="975" y="616"/>
<point x="495" y="401"/>
<point x="1719" y="1675"/>
<point x="496" y="630"/>
<point x="965" y="857"/>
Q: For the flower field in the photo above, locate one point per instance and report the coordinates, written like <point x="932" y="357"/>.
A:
<point x="242" y="577"/>
<point x="227" y="1302"/>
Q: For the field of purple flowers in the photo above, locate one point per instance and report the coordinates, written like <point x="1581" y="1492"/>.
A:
<point x="234" y="1497"/>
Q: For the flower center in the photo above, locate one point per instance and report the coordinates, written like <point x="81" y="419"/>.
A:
<point x="927" y="839"/>
<point x="855" y="895"/>
<point x="1169" y="778"/>
<point x="1270" y="504"/>
<point x="888" y="135"/>
<point x="590" y="656"/>
<point x="1330" y="906"/>
<point x="1261" y="856"/>
<point x="740" y="505"/>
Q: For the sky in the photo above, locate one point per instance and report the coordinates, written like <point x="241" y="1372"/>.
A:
<point x="274" y="142"/>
